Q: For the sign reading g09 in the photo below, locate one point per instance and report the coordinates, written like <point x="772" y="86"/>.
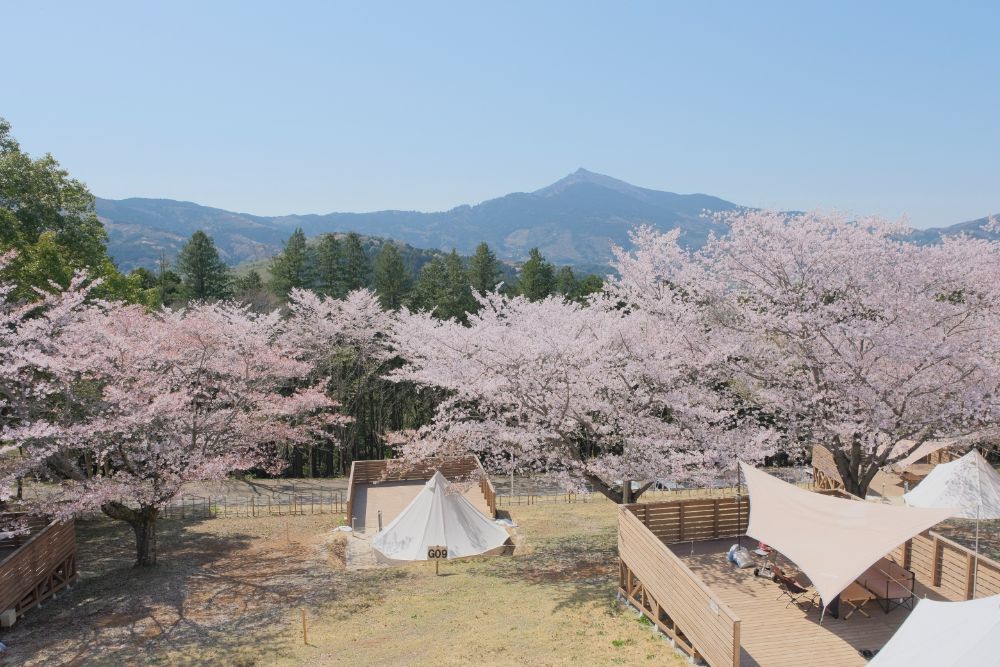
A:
<point x="437" y="553"/>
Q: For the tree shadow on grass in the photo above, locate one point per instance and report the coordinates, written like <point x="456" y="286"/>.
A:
<point x="220" y="596"/>
<point x="575" y="569"/>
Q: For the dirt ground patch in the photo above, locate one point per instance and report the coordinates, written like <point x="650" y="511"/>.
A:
<point x="231" y="591"/>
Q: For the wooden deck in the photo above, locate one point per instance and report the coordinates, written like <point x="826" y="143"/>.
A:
<point x="773" y="635"/>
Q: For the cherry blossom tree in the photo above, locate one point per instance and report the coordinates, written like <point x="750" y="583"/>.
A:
<point x="846" y="334"/>
<point x="137" y="403"/>
<point x="596" y="393"/>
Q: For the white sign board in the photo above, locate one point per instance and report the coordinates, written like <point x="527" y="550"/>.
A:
<point x="437" y="553"/>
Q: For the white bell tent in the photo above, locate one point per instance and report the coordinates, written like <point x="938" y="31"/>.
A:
<point x="945" y="633"/>
<point x="969" y="484"/>
<point x="438" y="517"/>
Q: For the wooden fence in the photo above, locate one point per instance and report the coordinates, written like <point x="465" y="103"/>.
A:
<point x="948" y="568"/>
<point x="657" y="582"/>
<point x="38" y="567"/>
<point x="508" y="500"/>
<point x="696" y="519"/>
<point x="453" y="468"/>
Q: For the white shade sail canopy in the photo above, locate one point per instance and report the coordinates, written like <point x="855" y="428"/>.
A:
<point x="438" y="517"/>
<point x="925" y="449"/>
<point x="944" y="634"/>
<point x="832" y="540"/>
<point x="969" y="484"/>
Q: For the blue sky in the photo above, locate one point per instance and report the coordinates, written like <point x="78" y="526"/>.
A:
<point x="883" y="108"/>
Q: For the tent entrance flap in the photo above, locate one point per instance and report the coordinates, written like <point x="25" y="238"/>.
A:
<point x="832" y="540"/>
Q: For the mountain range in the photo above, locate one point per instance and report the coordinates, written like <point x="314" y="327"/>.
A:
<point x="573" y="221"/>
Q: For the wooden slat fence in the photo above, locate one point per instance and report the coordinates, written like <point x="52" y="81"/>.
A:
<point x="39" y="567"/>
<point x="672" y="596"/>
<point x="508" y="500"/>
<point x="694" y="520"/>
<point x="948" y="567"/>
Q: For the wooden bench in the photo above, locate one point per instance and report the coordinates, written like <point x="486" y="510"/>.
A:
<point x="890" y="583"/>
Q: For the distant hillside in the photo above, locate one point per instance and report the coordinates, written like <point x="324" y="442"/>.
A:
<point x="974" y="228"/>
<point x="573" y="221"/>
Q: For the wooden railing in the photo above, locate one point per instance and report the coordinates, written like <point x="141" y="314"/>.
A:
<point x="697" y="519"/>
<point x="656" y="581"/>
<point x="453" y="468"/>
<point x="489" y="493"/>
<point x="38" y="568"/>
<point x="350" y="496"/>
<point x="948" y="568"/>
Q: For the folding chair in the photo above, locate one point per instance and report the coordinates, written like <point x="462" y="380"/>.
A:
<point x="795" y="592"/>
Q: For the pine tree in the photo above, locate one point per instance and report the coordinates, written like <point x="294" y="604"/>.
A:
<point x="390" y="281"/>
<point x="589" y="284"/>
<point x="567" y="284"/>
<point x="169" y="289"/>
<point x="328" y="269"/>
<point x="249" y="283"/>
<point x="429" y="292"/>
<point x="204" y="275"/>
<point x="484" y="270"/>
<point x="537" y="279"/>
<point x="292" y="268"/>
<point x="354" y="263"/>
<point x="458" y="299"/>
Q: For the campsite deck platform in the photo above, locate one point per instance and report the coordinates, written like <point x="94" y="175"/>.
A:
<point x="393" y="497"/>
<point x="772" y="635"/>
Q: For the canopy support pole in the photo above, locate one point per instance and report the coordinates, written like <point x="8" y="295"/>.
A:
<point x="739" y="505"/>
<point x="975" y="567"/>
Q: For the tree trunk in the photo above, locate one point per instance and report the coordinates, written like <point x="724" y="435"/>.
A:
<point x="620" y="497"/>
<point x="145" y="540"/>
<point x="297" y="462"/>
<point x="143" y="522"/>
<point x="328" y="468"/>
<point x="856" y="470"/>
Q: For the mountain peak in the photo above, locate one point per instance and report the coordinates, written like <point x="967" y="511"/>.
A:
<point x="582" y="175"/>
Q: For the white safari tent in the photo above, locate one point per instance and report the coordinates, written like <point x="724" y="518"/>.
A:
<point x="440" y="516"/>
